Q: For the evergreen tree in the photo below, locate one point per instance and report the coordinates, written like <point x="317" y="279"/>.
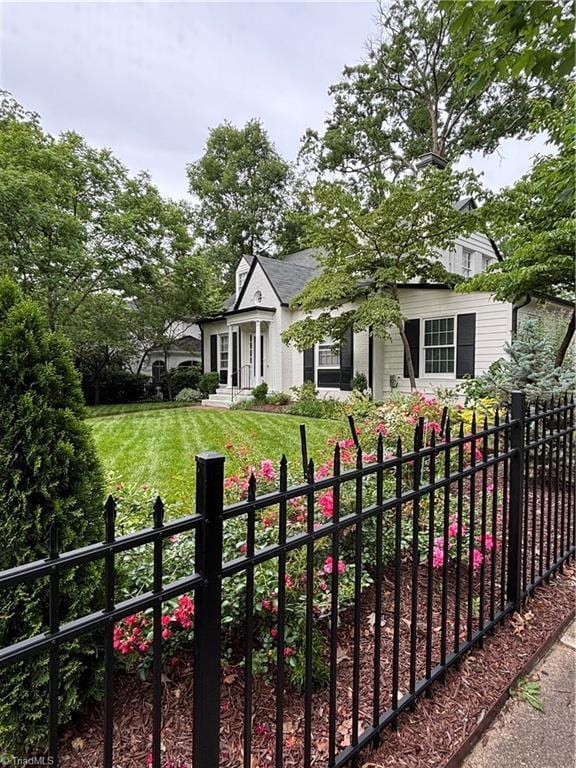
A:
<point x="49" y="475"/>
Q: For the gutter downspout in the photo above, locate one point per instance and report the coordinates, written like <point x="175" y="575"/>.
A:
<point x="515" y="308"/>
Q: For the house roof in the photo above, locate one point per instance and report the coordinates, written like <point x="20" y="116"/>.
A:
<point x="289" y="276"/>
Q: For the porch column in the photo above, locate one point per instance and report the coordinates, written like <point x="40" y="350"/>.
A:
<point x="230" y="361"/>
<point x="257" y="352"/>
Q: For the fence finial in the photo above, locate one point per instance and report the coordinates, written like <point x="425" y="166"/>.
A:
<point x="158" y="512"/>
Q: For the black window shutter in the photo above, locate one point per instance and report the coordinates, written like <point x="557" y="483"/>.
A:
<point x="347" y="360"/>
<point x="309" y="365"/>
<point x="235" y="365"/>
<point x="466" y="345"/>
<point x="213" y="352"/>
<point x="412" y="331"/>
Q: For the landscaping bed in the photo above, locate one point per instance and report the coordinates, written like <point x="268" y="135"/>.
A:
<point x="428" y="736"/>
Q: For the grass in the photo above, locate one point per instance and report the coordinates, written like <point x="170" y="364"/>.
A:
<point x="95" y="411"/>
<point x="157" y="446"/>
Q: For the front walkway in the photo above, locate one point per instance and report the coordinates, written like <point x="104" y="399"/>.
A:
<point x="521" y="736"/>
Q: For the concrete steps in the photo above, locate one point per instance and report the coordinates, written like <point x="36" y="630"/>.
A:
<point x="222" y="398"/>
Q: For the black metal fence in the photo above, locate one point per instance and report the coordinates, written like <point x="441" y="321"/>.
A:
<point x="490" y="515"/>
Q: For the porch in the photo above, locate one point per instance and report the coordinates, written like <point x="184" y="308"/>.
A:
<point x="242" y="354"/>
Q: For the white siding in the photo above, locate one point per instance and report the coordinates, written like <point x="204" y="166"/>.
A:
<point x="259" y="282"/>
<point x="493" y="329"/>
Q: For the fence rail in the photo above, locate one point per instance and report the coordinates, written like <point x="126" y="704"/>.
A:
<point x="455" y="533"/>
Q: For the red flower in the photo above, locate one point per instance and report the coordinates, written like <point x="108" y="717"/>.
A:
<point x="288" y="651"/>
<point x="274" y="633"/>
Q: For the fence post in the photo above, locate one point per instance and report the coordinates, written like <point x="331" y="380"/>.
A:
<point x="514" y="583"/>
<point x="208" y="612"/>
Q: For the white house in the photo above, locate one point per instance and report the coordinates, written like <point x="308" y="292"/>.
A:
<point x="186" y="350"/>
<point x="451" y="335"/>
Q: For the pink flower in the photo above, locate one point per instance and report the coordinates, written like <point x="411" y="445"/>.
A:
<point x="267" y="470"/>
<point x="324" y="470"/>
<point x="434" y="426"/>
<point x="166" y="620"/>
<point x="166" y="633"/>
<point x="289" y="581"/>
<point x="274" y="633"/>
<point x="326" y="502"/>
<point x="288" y="651"/>
<point x="453" y="530"/>
<point x="477" y="559"/>
<point x="489" y="542"/>
<point x="490" y="488"/>
<point x="438" y="557"/>
<point x="429" y="399"/>
<point x="329" y="565"/>
<point x="369" y="458"/>
<point x="143" y="647"/>
<point x="381" y="429"/>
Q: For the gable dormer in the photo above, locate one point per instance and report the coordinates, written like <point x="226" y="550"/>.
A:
<point x="242" y="273"/>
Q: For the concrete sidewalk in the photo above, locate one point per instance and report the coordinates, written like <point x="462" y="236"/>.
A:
<point x="522" y="737"/>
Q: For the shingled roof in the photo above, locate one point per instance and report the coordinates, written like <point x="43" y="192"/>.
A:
<point x="288" y="275"/>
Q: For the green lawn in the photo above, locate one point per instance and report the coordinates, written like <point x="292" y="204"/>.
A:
<point x="157" y="446"/>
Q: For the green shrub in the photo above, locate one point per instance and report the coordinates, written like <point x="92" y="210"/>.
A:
<point x="116" y="385"/>
<point x="208" y="383"/>
<point x="177" y="379"/>
<point x="360" y="382"/>
<point x="317" y="409"/>
<point x="259" y="393"/>
<point x="279" y="398"/>
<point x="187" y="395"/>
<point x="49" y="474"/>
<point x="306" y="391"/>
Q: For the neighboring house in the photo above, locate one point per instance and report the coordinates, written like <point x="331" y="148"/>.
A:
<point x="185" y="351"/>
<point x="452" y="335"/>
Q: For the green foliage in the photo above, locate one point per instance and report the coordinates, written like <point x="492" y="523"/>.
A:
<point x="187" y="395"/>
<point x="111" y="262"/>
<point x="521" y="39"/>
<point x="49" y="475"/>
<point x="326" y="408"/>
<point x="187" y="377"/>
<point x="529" y="366"/>
<point x="279" y="398"/>
<point x="242" y="185"/>
<point x="360" y="382"/>
<point x="208" y="383"/>
<point x="367" y="253"/>
<point x="408" y="97"/>
<point x="259" y="393"/>
<point x="116" y="385"/>
<point x="528" y="691"/>
<point x="534" y="219"/>
<point x="306" y="391"/>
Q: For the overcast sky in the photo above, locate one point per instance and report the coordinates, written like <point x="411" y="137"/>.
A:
<point x="149" y="79"/>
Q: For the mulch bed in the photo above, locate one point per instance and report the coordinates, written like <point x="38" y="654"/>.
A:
<point x="428" y="735"/>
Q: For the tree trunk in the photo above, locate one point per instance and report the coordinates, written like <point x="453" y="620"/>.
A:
<point x="408" y="357"/>
<point x="97" y="391"/>
<point x="561" y="354"/>
<point x="167" y="374"/>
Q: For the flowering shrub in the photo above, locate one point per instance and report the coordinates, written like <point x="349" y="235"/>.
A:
<point x="398" y="416"/>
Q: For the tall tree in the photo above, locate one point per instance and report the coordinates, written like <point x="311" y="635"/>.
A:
<point x="242" y="186"/>
<point x="522" y="37"/>
<point x="535" y="222"/>
<point x="368" y="253"/>
<point x="80" y="234"/>
<point x="409" y="97"/>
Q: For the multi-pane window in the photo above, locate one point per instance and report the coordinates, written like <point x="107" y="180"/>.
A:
<point x="328" y="357"/>
<point x="466" y="263"/>
<point x="241" y="279"/>
<point x="224" y="351"/>
<point x="486" y="261"/>
<point x="439" y="345"/>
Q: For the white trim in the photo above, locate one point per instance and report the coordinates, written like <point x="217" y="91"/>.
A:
<point x="424" y="374"/>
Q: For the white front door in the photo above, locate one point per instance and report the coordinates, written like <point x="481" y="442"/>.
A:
<point x="252" y="358"/>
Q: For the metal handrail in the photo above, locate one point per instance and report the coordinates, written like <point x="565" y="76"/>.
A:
<point x="243" y="381"/>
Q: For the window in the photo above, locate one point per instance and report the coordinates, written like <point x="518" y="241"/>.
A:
<point x="158" y="368"/>
<point x="466" y="263"/>
<point x="328" y="357"/>
<point x="439" y="345"/>
<point x="241" y="280"/>
<point x="328" y="374"/>
<point x="258" y="297"/>
<point x="224" y="351"/>
<point x="486" y="261"/>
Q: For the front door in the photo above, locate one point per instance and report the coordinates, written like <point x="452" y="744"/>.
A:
<point x="252" y="357"/>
